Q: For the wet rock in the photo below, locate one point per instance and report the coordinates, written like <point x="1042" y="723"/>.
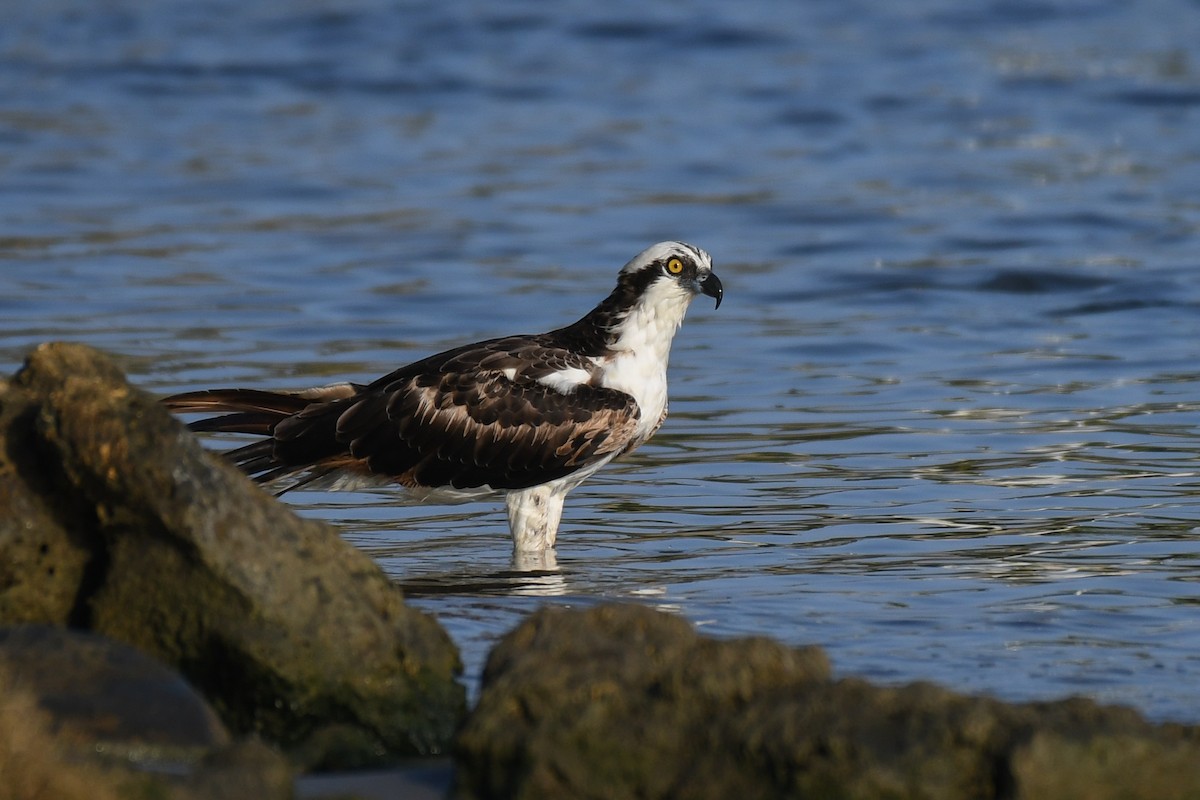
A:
<point x="95" y="741"/>
<point x="1108" y="766"/>
<point x="110" y="695"/>
<point x="246" y="769"/>
<point x="623" y="701"/>
<point x="44" y="545"/>
<point x="856" y="740"/>
<point x="428" y="779"/>
<point x="136" y="532"/>
<point x="32" y="764"/>
<point x="617" y="701"/>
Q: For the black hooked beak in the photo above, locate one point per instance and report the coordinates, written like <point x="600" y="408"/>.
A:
<point x="711" y="286"/>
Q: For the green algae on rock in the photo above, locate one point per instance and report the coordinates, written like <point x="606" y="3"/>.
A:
<point x="625" y="701"/>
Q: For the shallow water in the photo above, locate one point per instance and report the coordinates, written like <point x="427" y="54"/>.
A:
<point x="946" y="422"/>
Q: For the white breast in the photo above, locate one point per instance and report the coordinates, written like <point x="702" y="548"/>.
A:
<point x="645" y="379"/>
<point x="637" y="363"/>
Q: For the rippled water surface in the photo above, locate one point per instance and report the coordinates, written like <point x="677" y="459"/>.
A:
<point x="946" y="423"/>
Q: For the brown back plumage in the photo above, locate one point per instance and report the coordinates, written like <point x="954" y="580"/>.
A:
<point x="471" y="417"/>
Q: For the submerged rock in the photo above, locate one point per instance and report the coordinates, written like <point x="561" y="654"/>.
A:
<point x="624" y="701"/>
<point x="114" y="519"/>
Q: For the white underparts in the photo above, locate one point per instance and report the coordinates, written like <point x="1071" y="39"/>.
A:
<point x="638" y="364"/>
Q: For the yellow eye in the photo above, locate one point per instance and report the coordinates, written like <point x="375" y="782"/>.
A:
<point x="674" y="266"/>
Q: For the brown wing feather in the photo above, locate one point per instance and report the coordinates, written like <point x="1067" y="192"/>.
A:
<point x="466" y="430"/>
<point x="454" y="419"/>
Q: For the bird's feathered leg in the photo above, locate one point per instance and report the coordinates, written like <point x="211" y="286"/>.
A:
<point x="534" y="514"/>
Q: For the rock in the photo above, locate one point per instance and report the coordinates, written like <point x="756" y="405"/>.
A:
<point x="617" y="701"/>
<point x="427" y="779"/>
<point x="32" y="764"/>
<point x="247" y="769"/>
<point x="1103" y="766"/>
<point x="44" y="545"/>
<point x="855" y="740"/>
<point x="138" y="533"/>
<point x="94" y="742"/>
<point x="624" y="701"/>
<point x="109" y="695"/>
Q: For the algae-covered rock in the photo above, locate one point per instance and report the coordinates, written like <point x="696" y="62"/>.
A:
<point x="45" y="544"/>
<point x="624" y="701"/>
<point x="851" y="739"/>
<point x="1104" y="767"/>
<point x="144" y="536"/>
<point x="618" y="701"/>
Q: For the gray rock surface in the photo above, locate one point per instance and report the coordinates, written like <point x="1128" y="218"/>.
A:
<point x="113" y="518"/>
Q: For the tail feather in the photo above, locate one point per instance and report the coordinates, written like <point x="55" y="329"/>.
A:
<point x="254" y="459"/>
<point x="250" y="411"/>
<point x="246" y="400"/>
<point x="306" y="455"/>
<point x="261" y="424"/>
<point x="297" y="477"/>
<point x="258" y="460"/>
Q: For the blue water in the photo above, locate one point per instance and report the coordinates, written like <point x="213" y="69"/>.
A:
<point x="946" y="423"/>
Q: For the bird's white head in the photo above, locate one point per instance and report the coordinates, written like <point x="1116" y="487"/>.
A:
<point x="653" y="293"/>
<point x="671" y="274"/>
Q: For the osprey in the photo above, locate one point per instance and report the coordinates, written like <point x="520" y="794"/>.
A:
<point x="530" y="416"/>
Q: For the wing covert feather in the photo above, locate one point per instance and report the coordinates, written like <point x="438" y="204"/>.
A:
<point x="453" y="423"/>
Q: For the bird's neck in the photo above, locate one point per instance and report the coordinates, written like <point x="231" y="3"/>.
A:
<point x="645" y="332"/>
<point x="629" y="336"/>
<point x="639" y="346"/>
<point x="630" y="323"/>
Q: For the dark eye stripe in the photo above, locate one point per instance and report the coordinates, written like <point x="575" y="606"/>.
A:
<point x="696" y="251"/>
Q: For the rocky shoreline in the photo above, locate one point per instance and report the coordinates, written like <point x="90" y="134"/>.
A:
<point x="167" y="629"/>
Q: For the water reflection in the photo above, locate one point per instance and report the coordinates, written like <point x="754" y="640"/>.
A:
<point x="532" y="575"/>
